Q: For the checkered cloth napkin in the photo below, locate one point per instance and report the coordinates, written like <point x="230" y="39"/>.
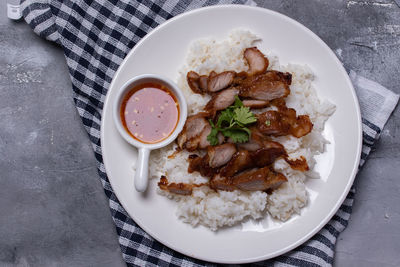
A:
<point x="96" y="36"/>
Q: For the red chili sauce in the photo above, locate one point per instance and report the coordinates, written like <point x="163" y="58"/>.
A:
<point x="149" y="112"/>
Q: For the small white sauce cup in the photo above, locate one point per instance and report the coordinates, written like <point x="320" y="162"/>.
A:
<point x="142" y="164"/>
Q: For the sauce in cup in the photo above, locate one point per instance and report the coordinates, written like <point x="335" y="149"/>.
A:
<point x="149" y="112"/>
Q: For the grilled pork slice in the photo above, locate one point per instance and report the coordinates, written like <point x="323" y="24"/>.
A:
<point x="203" y="81"/>
<point x="265" y="86"/>
<point x="216" y="157"/>
<point x="274" y="75"/>
<point x="203" y="142"/>
<point x="220" y="155"/>
<point x="274" y="123"/>
<point x="220" y="81"/>
<point x="256" y="60"/>
<point x="302" y="126"/>
<point x="212" y="74"/>
<point x="251" y="180"/>
<point x="180" y="188"/>
<point x="190" y="137"/>
<point x="256" y="140"/>
<point x="177" y="188"/>
<point x="258" y="179"/>
<point x="253" y="103"/>
<point x="299" y="164"/>
<point x="221" y="100"/>
<point x="219" y="182"/>
<point x="265" y="90"/>
<point x="200" y="164"/>
<point x="269" y="76"/>
<point x="285" y="122"/>
<point x="193" y="80"/>
<point x="240" y="161"/>
<point x="267" y="155"/>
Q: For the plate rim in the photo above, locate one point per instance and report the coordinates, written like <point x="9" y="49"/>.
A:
<point x="354" y="171"/>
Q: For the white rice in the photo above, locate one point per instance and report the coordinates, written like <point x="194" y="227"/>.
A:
<point x="217" y="209"/>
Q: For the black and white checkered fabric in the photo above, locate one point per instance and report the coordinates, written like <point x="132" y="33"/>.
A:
<point x="96" y="36"/>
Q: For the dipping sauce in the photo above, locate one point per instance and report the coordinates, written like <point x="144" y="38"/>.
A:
<point x="150" y="112"/>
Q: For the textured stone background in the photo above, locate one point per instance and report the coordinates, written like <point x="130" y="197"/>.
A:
<point x="52" y="207"/>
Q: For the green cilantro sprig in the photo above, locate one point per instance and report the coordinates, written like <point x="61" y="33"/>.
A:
<point x="232" y="123"/>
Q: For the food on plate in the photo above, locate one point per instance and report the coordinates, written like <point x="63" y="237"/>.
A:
<point x="237" y="143"/>
<point x="249" y="142"/>
<point x="149" y="112"/>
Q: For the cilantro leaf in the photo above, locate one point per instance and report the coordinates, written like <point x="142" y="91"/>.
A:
<point x="237" y="135"/>
<point x="244" y="116"/>
<point x="225" y="116"/>
<point x="238" y="103"/>
<point x="213" y="136"/>
<point x="247" y="130"/>
<point x="232" y="123"/>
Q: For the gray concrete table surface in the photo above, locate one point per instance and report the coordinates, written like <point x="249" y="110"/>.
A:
<point x="53" y="211"/>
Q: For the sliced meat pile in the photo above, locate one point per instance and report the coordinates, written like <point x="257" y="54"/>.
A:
<point x="241" y="166"/>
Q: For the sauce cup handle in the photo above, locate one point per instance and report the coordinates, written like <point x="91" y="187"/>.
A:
<point x="142" y="170"/>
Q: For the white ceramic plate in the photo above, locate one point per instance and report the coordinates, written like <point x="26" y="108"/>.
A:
<point x="163" y="51"/>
